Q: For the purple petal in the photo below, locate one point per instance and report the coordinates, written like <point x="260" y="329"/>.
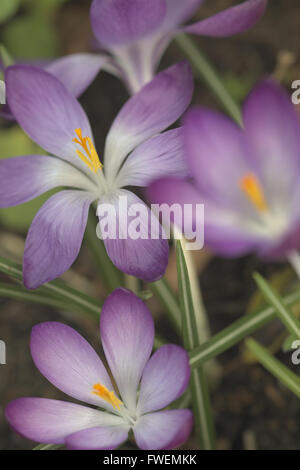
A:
<point x="117" y="22"/>
<point x="232" y="240"/>
<point x="24" y="178"/>
<point x="179" y="11"/>
<point x="137" y="247"/>
<point x="127" y="334"/>
<point x="98" y="438"/>
<point x="51" y="421"/>
<point x="273" y="127"/>
<point x="163" y="155"/>
<point x="163" y="430"/>
<point x="165" y="378"/>
<point x="55" y="236"/>
<point x="213" y="141"/>
<point x="46" y="111"/>
<point x="68" y="361"/>
<point x="230" y="21"/>
<point x="158" y="105"/>
<point x="225" y="230"/>
<point x="77" y="71"/>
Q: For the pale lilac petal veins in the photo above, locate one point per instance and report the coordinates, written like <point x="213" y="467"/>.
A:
<point x="51" y="421"/>
<point x="133" y="237"/>
<point x="163" y="155"/>
<point x="127" y="334"/>
<point x="163" y="430"/>
<point x="46" y="111"/>
<point x="24" y="178"/>
<point x="98" y="438"/>
<point x="231" y="21"/>
<point x="165" y="378"/>
<point x="179" y="11"/>
<point x="158" y="105"/>
<point x="69" y="362"/>
<point x="117" y="22"/>
<point x="55" y="236"/>
<point x="273" y="128"/>
<point x="77" y="71"/>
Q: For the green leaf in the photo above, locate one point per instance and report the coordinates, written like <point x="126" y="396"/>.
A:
<point x="200" y="394"/>
<point x="48" y="447"/>
<point x="110" y="275"/>
<point x="207" y="72"/>
<point x="287" y="344"/>
<point x="31" y="37"/>
<point x="283" y="312"/>
<point x="237" y="331"/>
<point x="169" y="301"/>
<point x="5" y="56"/>
<point x="78" y="301"/>
<point x="7" y="9"/>
<point x="275" y="367"/>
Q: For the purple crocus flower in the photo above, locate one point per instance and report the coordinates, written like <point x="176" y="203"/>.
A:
<point x="248" y="179"/>
<point x="135" y="153"/>
<point x="135" y="33"/>
<point x="146" y="385"/>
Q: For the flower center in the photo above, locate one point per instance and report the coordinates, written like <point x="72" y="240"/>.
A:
<point x="90" y="158"/>
<point x="106" y="395"/>
<point x="250" y="185"/>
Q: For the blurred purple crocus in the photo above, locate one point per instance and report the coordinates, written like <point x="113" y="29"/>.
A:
<point x="135" y="33"/>
<point x="248" y="179"/>
<point x="135" y="153"/>
<point x="145" y="385"/>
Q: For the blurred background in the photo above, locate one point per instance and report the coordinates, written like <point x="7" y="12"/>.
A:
<point x="252" y="411"/>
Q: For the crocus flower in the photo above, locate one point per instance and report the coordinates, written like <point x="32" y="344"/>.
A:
<point x="135" y="33"/>
<point x="54" y="119"/>
<point x="248" y="179"/>
<point x="145" y="385"/>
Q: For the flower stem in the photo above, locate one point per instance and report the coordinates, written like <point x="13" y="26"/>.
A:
<point x="209" y="75"/>
<point x="294" y="260"/>
<point x="200" y="394"/>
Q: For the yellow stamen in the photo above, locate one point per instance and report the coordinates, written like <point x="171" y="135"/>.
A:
<point x="91" y="158"/>
<point x="105" y="394"/>
<point x="254" y="192"/>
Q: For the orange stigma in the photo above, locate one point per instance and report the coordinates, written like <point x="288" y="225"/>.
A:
<point x="105" y="394"/>
<point x="90" y="158"/>
<point x="250" y="185"/>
